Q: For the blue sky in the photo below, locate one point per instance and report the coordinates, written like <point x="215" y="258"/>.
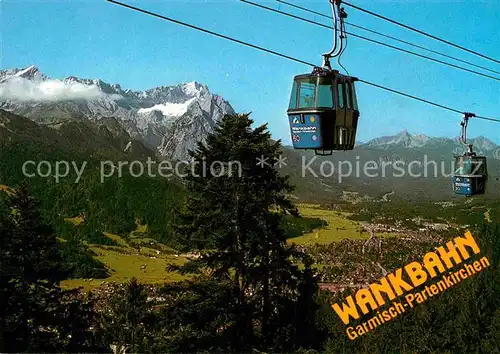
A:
<point x="94" y="38"/>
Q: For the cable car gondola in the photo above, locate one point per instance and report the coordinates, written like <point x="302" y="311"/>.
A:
<point x="471" y="173"/>
<point x="323" y="111"/>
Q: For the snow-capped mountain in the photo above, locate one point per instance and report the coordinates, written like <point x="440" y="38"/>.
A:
<point x="169" y="119"/>
<point x="31" y="73"/>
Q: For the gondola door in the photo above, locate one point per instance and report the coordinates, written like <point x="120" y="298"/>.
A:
<point x="347" y="114"/>
<point x="351" y="116"/>
<point x="340" y="134"/>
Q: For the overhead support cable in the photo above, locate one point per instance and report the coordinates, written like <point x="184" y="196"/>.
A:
<point x="290" y="58"/>
<point x="422" y="32"/>
<point x="371" y="40"/>
<point x="390" y="37"/>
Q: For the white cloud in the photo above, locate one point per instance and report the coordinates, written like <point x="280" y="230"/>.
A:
<point x="21" y="89"/>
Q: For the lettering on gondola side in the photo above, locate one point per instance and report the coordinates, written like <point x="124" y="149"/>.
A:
<point x="307" y="129"/>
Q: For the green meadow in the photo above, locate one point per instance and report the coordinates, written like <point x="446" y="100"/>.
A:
<point x="145" y="259"/>
<point x="338" y="228"/>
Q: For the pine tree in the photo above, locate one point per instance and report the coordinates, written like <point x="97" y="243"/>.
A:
<point x="197" y="316"/>
<point x="29" y="261"/>
<point x="36" y="258"/>
<point x="36" y="315"/>
<point x="128" y="320"/>
<point x="234" y="208"/>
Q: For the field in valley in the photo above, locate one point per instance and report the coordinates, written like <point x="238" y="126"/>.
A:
<point x="339" y="227"/>
<point x="132" y="259"/>
<point x="129" y="261"/>
<point x="138" y="256"/>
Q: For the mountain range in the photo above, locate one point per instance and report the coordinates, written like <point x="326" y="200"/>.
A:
<point x="406" y="141"/>
<point x="167" y="119"/>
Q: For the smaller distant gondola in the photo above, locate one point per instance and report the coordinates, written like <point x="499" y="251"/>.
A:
<point x="471" y="171"/>
<point x="323" y="111"/>
<point x="470" y="175"/>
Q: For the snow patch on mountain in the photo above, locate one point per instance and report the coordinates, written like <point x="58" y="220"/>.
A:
<point x="169" y="109"/>
<point x="192" y="89"/>
<point x="25" y="71"/>
<point x="31" y="73"/>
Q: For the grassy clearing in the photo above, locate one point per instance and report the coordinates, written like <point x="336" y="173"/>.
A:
<point x="487" y="216"/>
<point x="77" y="220"/>
<point x="127" y="262"/>
<point x="338" y="228"/>
<point x="137" y="257"/>
<point x="124" y="264"/>
<point x="141" y="228"/>
<point x="116" y="238"/>
<point x="150" y="244"/>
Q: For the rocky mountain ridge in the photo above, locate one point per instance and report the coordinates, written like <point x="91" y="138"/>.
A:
<point x="421" y="142"/>
<point x="168" y="119"/>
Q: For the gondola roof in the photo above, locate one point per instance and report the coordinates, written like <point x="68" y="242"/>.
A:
<point x="320" y="72"/>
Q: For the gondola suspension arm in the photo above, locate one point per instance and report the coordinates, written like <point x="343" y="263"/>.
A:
<point x="463" y="137"/>
<point x="338" y="15"/>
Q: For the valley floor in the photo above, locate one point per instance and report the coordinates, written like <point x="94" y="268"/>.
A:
<point x="146" y="260"/>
